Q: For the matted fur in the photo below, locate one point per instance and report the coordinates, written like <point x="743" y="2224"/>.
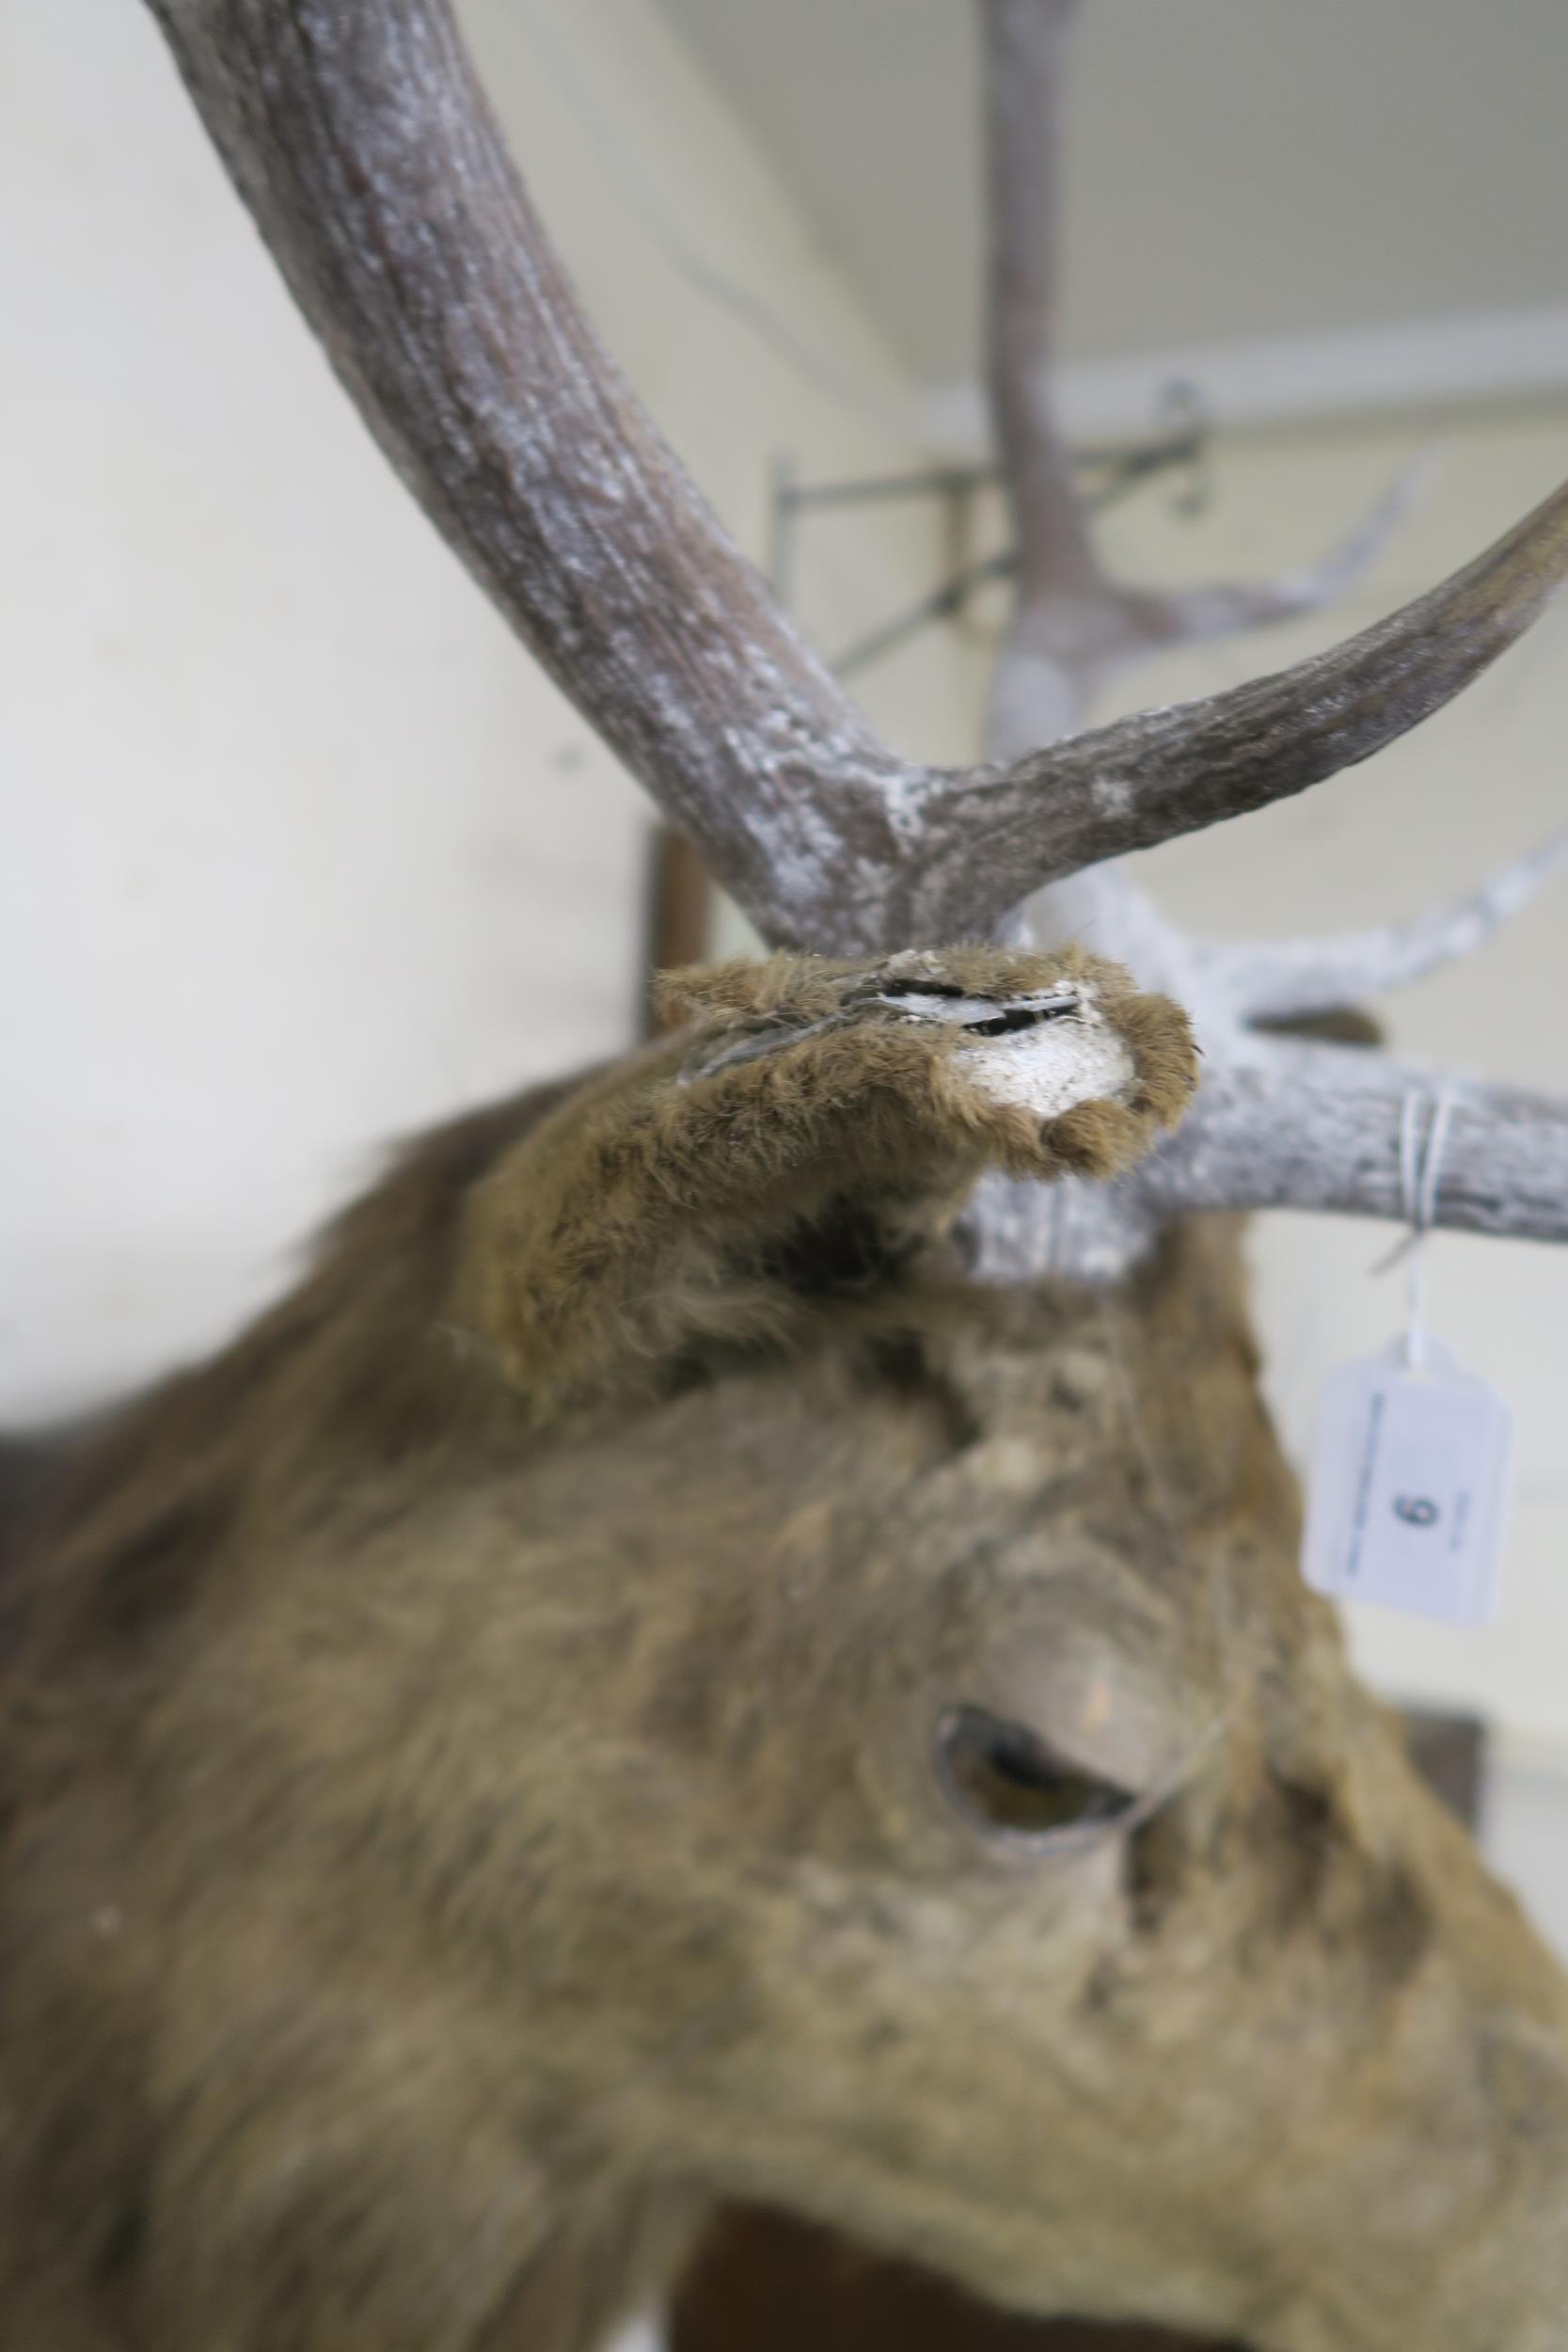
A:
<point x="456" y="1829"/>
<point x="644" y="1215"/>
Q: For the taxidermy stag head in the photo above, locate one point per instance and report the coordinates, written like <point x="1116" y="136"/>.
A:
<point x="699" y="1653"/>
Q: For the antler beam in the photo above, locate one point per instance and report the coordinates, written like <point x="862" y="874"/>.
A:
<point x="1317" y="1127"/>
<point x="1277" y="1123"/>
<point x="1073" y="626"/>
<point x="1162" y="772"/>
<point x="358" y="134"/>
<point x="1025" y="46"/>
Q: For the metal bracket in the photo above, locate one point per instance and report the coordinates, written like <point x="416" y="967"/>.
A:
<point x="1109" y="472"/>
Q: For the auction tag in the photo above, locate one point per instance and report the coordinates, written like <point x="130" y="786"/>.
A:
<point x="1408" y="1488"/>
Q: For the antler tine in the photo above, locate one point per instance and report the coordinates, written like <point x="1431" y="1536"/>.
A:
<point x="358" y="137"/>
<point x="993" y="836"/>
<point x="1073" y="626"/>
<point x="1069" y="626"/>
<point x="1295" y="1125"/>
<point x="1065" y="643"/>
<point x="1311" y="1126"/>
<point x="1024" y="60"/>
<point x="1282" y="979"/>
<point x="358" y="134"/>
<point x="1224" y="607"/>
<point x="1276" y="1122"/>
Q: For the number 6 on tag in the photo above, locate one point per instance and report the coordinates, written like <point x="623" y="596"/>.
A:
<point x="1408" y="1487"/>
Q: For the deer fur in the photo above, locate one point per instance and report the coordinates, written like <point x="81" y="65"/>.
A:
<point x="481" y="1776"/>
<point x="469" y="1790"/>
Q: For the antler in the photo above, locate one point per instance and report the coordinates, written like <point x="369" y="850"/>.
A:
<point x="358" y="134"/>
<point x="1073" y="626"/>
<point x="1278" y="1122"/>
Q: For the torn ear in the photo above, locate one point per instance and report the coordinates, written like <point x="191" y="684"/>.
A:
<point x="789" y="996"/>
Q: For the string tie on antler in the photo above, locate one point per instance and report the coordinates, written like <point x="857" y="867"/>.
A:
<point x="1420" y="1173"/>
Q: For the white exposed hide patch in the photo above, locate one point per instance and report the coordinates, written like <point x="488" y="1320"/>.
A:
<point x="1064" y="1051"/>
<point x="1048" y="1069"/>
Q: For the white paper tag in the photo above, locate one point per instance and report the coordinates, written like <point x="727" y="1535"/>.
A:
<point x="1408" y="1488"/>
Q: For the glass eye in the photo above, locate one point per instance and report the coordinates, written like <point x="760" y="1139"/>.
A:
<point x="1003" y="1779"/>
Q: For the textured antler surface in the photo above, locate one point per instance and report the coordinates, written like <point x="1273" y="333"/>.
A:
<point x="1278" y="1123"/>
<point x="357" y="133"/>
<point x="1073" y="626"/>
<point x="1162" y="772"/>
<point x="1314" y="1126"/>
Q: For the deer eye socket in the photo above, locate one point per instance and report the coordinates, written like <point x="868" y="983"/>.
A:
<point x="1003" y="1779"/>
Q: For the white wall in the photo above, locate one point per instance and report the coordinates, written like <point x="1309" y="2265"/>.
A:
<point x="300" y="849"/>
